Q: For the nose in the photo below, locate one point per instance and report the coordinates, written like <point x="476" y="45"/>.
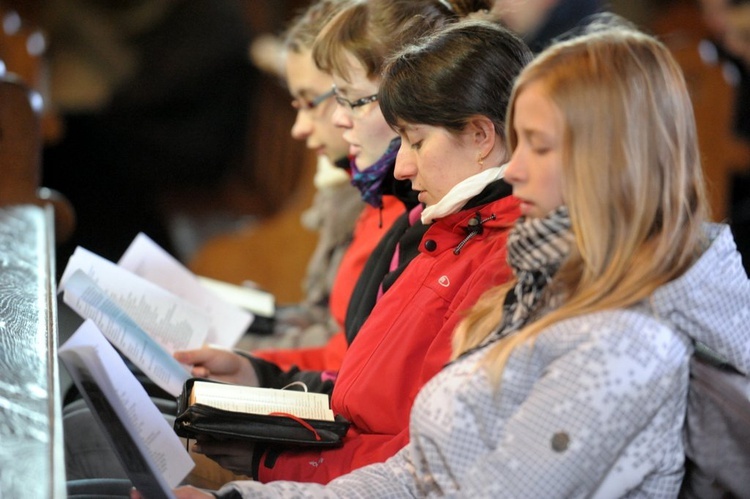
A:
<point x="303" y="125"/>
<point x="341" y="117"/>
<point x="514" y="171"/>
<point x="405" y="166"/>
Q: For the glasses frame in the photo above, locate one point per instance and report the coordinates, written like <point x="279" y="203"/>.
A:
<point x="343" y="102"/>
<point x="308" y="105"/>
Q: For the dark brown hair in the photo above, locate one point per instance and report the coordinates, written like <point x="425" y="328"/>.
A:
<point x="444" y="79"/>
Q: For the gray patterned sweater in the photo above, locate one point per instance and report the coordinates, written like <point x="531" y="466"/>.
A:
<point x="594" y="409"/>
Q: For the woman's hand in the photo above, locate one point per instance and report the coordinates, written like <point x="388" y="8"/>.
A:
<point x="233" y="455"/>
<point x="180" y="493"/>
<point x="219" y="364"/>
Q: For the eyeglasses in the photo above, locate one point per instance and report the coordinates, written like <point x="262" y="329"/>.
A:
<point x="357" y="103"/>
<point x="307" y="105"/>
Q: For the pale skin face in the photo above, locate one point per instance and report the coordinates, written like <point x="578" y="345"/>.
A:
<point x="535" y="168"/>
<point x="435" y="160"/>
<point x="315" y="126"/>
<point x="364" y="127"/>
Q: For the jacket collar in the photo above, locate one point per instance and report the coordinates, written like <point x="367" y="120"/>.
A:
<point x="493" y="208"/>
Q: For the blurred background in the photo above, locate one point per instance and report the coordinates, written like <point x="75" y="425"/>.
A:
<point x="169" y="117"/>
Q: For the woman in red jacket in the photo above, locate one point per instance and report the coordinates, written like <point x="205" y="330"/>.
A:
<point x="313" y="99"/>
<point x="447" y="99"/>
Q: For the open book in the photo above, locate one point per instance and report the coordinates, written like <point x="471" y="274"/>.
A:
<point x="254" y="400"/>
<point x="149" y="321"/>
<point x="221" y="410"/>
<point x="148" y="449"/>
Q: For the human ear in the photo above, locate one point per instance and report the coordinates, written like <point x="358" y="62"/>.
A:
<point x="483" y="134"/>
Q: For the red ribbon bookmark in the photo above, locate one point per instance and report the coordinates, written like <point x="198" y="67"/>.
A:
<point x="300" y="421"/>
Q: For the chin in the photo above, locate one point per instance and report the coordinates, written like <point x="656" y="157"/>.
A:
<point x="363" y="164"/>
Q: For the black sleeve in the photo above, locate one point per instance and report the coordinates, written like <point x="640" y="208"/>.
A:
<point x="365" y="290"/>
<point x="272" y="376"/>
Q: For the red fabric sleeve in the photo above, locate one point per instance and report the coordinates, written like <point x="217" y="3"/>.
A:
<point x="371" y="226"/>
<point x="325" y="358"/>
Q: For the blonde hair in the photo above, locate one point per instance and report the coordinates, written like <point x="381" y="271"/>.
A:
<point x="302" y="30"/>
<point x="632" y="179"/>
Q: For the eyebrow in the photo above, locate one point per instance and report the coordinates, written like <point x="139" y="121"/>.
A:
<point x="403" y="129"/>
<point x="304" y="93"/>
<point x="341" y="90"/>
<point x="311" y="93"/>
<point x="532" y="133"/>
<point x="352" y="90"/>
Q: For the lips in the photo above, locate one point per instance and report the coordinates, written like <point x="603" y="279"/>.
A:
<point x="525" y="207"/>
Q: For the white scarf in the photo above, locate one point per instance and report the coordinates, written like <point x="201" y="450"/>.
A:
<point x="461" y="193"/>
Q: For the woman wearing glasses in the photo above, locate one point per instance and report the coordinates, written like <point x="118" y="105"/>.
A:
<point x="341" y="252"/>
<point x="452" y="146"/>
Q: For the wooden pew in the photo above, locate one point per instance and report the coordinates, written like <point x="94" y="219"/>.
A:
<point x="32" y="455"/>
<point x="20" y="154"/>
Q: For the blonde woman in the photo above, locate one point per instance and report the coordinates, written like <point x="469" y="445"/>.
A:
<point x="572" y="380"/>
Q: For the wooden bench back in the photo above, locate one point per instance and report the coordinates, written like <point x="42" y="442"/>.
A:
<point x="20" y="145"/>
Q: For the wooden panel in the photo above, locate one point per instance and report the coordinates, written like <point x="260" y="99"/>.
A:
<point x="680" y="26"/>
<point x="22" y="50"/>
<point x="20" y="141"/>
<point x="31" y="455"/>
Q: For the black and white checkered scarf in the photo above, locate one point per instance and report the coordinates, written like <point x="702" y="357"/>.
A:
<point x="536" y="249"/>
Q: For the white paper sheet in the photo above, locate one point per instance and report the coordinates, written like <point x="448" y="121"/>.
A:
<point x="83" y="295"/>
<point x="173" y="322"/>
<point x="166" y="456"/>
<point x="147" y="259"/>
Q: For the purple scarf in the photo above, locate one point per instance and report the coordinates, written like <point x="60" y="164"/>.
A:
<point x="370" y="181"/>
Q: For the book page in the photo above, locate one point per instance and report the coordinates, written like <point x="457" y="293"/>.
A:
<point x="257" y="301"/>
<point x="150" y="261"/>
<point x="91" y="302"/>
<point x="91" y="359"/>
<point x="174" y="323"/>
<point x="254" y="400"/>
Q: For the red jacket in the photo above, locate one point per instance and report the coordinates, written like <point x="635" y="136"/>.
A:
<point x="404" y="342"/>
<point x="371" y="225"/>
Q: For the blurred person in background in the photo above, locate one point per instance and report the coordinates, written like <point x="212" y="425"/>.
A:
<point x="539" y="22"/>
<point x="154" y="95"/>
